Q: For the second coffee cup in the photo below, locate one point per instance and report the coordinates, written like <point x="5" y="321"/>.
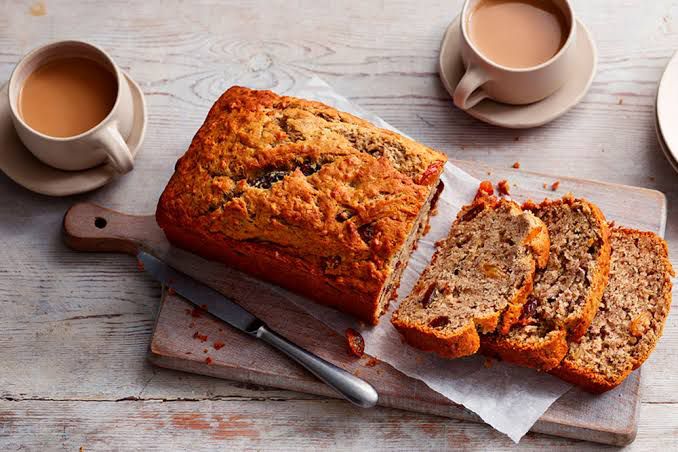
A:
<point x="514" y="51"/>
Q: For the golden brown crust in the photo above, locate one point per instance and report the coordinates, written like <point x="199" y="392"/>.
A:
<point x="547" y="353"/>
<point x="463" y="343"/>
<point x="465" y="340"/>
<point x="595" y="382"/>
<point x="316" y="199"/>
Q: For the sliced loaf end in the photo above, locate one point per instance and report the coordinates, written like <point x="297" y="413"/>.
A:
<point x="478" y="279"/>
<point x="631" y="317"/>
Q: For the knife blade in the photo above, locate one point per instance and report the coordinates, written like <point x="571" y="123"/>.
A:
<point x="200" y="295"/>
<point x="349" y="386"/>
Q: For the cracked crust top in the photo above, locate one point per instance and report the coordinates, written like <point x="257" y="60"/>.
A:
<point x="313" y="182"/>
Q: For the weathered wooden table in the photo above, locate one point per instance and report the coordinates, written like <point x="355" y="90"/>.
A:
<point x="74" y="328"/>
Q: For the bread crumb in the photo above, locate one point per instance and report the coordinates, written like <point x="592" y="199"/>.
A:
<point x="38" y="9"/>
<point x="371" y="362"/>
<point x="555" y="185"/>
<point x="485" y="188"/>
<point x="489" y="362"/>
<point x="516" y="139"/>
<point x="503" y="188"/>
<point x="516" y="165"/>
<point x="489" y="173"/>
<point x="201" y="337"/>
<point x="356" y="343"/>
<point x="621" y="101"/>
<point x="652" y="178"/>
<point x="544" y="185"/>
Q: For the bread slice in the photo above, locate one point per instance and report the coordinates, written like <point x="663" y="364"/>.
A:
<point x="477" y="280"/>
<point x="631" y="317"/>
<point x="566" y="293"/>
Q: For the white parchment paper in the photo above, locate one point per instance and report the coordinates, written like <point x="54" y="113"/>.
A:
<point x="509" y="398"/>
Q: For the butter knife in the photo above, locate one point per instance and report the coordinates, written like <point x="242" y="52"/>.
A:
<point x="350" y="387"/>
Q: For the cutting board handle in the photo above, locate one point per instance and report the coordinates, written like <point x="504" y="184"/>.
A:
<point x="89" y="227"/>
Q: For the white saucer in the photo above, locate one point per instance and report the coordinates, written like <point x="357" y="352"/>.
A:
<point x="539" y="113"/>
<point x="666" y="111"/>
<point x="662" y="143"/>
<point x="22" y="167"/>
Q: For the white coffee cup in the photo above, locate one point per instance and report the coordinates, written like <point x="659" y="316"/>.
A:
<point x="517" y="86"/>
<point x="105" y="141"/>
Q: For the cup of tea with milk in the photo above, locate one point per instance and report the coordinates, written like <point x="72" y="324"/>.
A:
<point x="514" y="51"/>
<point x="72" y="108"/>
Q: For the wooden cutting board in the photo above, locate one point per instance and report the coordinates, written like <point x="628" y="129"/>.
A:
<point x="191" y="341"/>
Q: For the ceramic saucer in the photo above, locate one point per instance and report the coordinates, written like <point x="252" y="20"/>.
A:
<point x="539" y="113"/>
<point x="22" y="167"/>
<point x="662" y="143"/>
<point x="667" y="111"/>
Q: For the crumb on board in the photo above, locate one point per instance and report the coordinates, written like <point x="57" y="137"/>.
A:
<point x="372" y="362"/>
<point x="544" y="185"/>
<point x="199" y="336"/>
<point x="555" y="185"/>
<point x="516" y="139"/>
<point x="356" y="343"/>
<point x="621" y="101"/>
<point x="516" y="165"/>
<point x="503" y="187"/>
<point x="38" y="9"/>
<point x="489" y="173"/>
<point x="652" y="178"/>
<point x="489" y="362"/>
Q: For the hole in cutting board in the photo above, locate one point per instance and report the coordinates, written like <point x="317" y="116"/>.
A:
<point x="100" y="222"/>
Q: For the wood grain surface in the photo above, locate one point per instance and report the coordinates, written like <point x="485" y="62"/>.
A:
<point x="75" y="328"/>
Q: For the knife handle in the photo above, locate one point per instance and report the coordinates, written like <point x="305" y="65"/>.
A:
<point x="352" y="388"/>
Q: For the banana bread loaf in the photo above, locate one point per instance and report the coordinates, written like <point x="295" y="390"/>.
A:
<point x="567" y="292"/>
<point x="478" y="279"/>
<point x="631" y="316"/>
<point x="302" y="195"/>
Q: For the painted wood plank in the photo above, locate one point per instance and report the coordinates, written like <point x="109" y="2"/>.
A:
<point x="152" y="425"/>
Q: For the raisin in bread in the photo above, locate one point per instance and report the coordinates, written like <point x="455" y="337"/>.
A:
<point x="477" y="280"/>
<point x="567" y="292"/>
<point x="304" y="196"/>
<point x="631" y="317"/>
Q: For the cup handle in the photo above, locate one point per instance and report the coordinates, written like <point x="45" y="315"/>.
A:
<point x="114" y="145"/>
<point x="467" y="94"/>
